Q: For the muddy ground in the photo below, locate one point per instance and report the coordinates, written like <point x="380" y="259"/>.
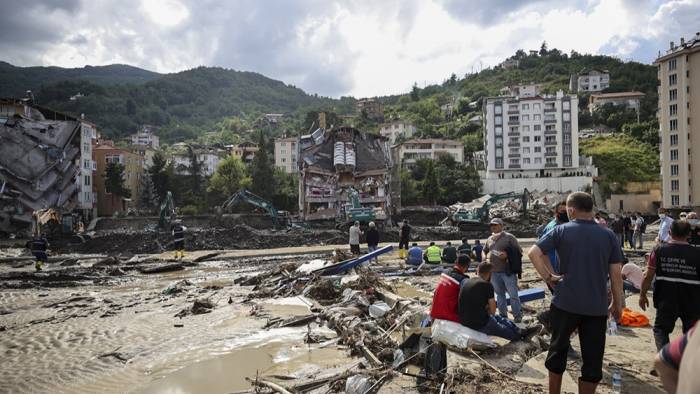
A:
<point x="118" y="325"/>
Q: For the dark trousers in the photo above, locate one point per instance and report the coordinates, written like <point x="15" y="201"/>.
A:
<point x="628" y="238"/>
<point x="403" y="244"/>
<point x="355" y="249"/>
<point x="591" y="335"/>
<point x="667" y="312"/>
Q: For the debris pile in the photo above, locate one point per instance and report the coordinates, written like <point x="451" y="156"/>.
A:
<point x="38" y="166"/>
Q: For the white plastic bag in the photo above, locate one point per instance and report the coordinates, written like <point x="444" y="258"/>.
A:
<point x="357" y="384"/>
<point x="457" y="335"/>
<point x="379" y="309"/>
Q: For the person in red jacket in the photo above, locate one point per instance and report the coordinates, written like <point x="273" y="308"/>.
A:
<point x="446" y="296"/>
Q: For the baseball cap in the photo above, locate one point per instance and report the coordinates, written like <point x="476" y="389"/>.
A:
<point x="496" y="221"/>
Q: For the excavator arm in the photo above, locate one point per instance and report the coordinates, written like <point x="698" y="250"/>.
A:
<point x="167" y="211"/>
<point x="254" y="200"/>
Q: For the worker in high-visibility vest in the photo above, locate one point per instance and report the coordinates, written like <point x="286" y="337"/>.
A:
<point x="433" y="255"/>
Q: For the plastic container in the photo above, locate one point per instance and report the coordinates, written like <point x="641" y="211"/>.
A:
<point x="612" y="327"/>
<point x="616" y="380"/>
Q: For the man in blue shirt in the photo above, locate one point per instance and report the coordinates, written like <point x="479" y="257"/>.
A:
<point x="415" y="255"/>
<point x="664" y="226"/>
<point x="477" y="249"/>
<point x="560" y="217"/>
<point x="588" y="254"/>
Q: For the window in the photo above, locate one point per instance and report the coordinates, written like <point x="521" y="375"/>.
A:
<point x="567" y="161"/>
<point x="86" y="180"/>
<point x="499" y="162"/>
<point x="514" y="129"/>
<point x="526" y="150"/>
<point x="499" y="120"/>
<point x="672" y="79"/>
<point x="551" y="160"/>
<point x="536" y="106"/>
<point x="567" y="138"/>
<point x="538" y="138"/>
<point x="499" y="151"/>
<point x="675" y="200"/>
<point x="673" y="109"/>
<point x="538" y="160"/>
<point x="526" y="129"/>
<point x="526" y="139"/>
<point x="499" y="130"/>
<point x="671" y="64"/>
<point x="538" y="149"/>
<point x="550" y="138"/>
<point x="526" y="160"/>
<point x="549" y="127"/>
<point x="284" y="160"/>
<point x="283" y="151"/>
<point x="513" y="107"/>
<point x="674" y="184"/>
<point x="566" y="116"/>
<point x="566" y="105"/>
<point x="526" y="106"/>
<point x="514" y="140"/>
<point x="674" y="154"/>
<point x="674" y="170"/>
<point x="537" y="117"/>
<point x="551" y="149"/>
<point x="673" y="94"/>
<point x="515" y="162"/>
<point x="674" y="139"/>
<point x="526" y="118"/>
<point x="499" y="141"/>
<point x="536" y="127"/>
<point x="567" y="149"/>
<point x="513" y="118"/>
<point x="498" y="109"/>
<point x="673" y="124"/>
<point x="514" y="151"/>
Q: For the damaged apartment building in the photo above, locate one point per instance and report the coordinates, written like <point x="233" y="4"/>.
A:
<point x="41" y="163"/>
<point x="336" y="161"/>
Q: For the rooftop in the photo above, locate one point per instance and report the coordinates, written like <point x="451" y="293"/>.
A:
<point x="691" y="45"/>
<point x="617" y="95"/>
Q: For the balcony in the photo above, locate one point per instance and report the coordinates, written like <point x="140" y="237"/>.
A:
<point x="513" y="134"/>
<point x="550" y="109"/>
<point x="514" y="144"/>
<point x="510" y="166"/>
<point x="551" y="132"/>
<point x="514" y="155"/>
<point x="550" y="154"/>
<point x="547" y="121"/>
<point x="513" y="112"/>
<point x="513" y="122"/>
<point x="550" y="143"/>
<point x="550" y="165"/>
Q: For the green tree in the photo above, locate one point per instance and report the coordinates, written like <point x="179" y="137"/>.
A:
<point x="261" y="171"/>
<point x="473" y="142"/>
<point x="286" y="194"/>
<point x="646" y="132"/>
<point x="195" y="171"/>
<point x="415" y="92"/>
<point x="160" y="174"/>
<point x="457" y="182"/>
<point x="409" y="189"/>
<point x="147" y="198"/>
<point x="543" y="49"/>
<point x="114" y="181"/>
<point x="230" y="177"/>
<point x="431" y="188"/>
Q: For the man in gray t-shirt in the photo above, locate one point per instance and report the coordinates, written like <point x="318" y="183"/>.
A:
<point x="588" y="255"/>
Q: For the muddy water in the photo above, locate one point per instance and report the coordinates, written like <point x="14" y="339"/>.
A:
<point x="49" y="348"/>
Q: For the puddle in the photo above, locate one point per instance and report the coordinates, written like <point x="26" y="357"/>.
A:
<point x="406" y="290"/>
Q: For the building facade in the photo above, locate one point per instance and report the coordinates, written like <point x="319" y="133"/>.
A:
<point x="372" y="107"/>
<point x="679" y="123"/>
<point x="286" y="154"/>
<point x="145" y="137"/>
<point x="104" y="152"/>
<point x="245" y="151"/>
<point x="87" y="199"/>
<point x="533" y="138"/>
<point x="413" y="150"/>
<point x="590" y="81"/>
<point x="628" y="99"/>
<point x="397" y="129"/>
<point x="208" y="159"/>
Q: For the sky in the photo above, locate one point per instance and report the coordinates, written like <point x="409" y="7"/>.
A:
<point x="334" y="48"/>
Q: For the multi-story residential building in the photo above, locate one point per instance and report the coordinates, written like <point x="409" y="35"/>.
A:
<point x="86" y="197"/>
<point x="372" y="107"/>
<point x="532" y="142"/>
<point x="286" y="154"/>
<point x="208" y="158"/>
<point x="628" y="99"/>
<point x="510" y="63"/>
<point x="145" y="136"/>
<point x="397" y="129"/>
<point x="104" y="152"/>
<point x="146" y="152"/>
<point x="245" y="151"/>
<point x="679" y="120"/>
<point x="413" y="150"/>
<point x="522" y="90"/>
<point x="589" y="80"/>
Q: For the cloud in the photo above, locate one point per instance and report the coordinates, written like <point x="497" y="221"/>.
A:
<point x="358" y="47"/>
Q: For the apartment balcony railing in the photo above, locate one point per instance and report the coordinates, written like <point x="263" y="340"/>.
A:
<point x="513" y="122"/>
<point x="550" y="121"/>
<point x="550" y="143"/>
<point x="513" y="112"/>
<point x="550" y="109"/>
<point x="550" y="165"/>
<point x="514" y="155"/>
<point x="514" y="144"/>
<point x="513" y="165"/>
<point x="513" y="134"/>
<point x="551" y="132"/>
<point x="550" y="154"/>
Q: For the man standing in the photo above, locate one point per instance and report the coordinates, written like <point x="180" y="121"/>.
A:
<point x="694" y="238"/>
<point x="404" y="237"/>
<point x="415" y="255"/>
<point x="446" y="293"/>
<point x="677" y="289"/>
<point x="477" y="250"/>
<point x="477" y="307"/>
<point x="464" y="247"/>
<point x="432" y="255"/>
<point x="354" y="238"/>
<point x="179" y="239"/>
<point x="503" y="280"/>
<point x="372" y="239"/>
<point x="449" y="254"/>
<point x="637" y="237"/>
<point x="38" y="245"/>
<point x="618" y="227"/>
<point x="627" y="221"/>
<point x="588" y="255"/>
<point x="560" y="217"/>
<point x="664" y="226"/>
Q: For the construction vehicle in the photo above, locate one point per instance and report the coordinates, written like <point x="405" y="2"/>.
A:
<point x="477" y="217"/>
<point x="54" y="225"/>
<point x="167" y="212"/>
<point x="355" y="212"/>
<point x="279" y="218"/>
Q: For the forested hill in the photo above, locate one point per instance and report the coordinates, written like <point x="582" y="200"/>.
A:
<point x="15" y="81"/>
<point x="184" y="105"/>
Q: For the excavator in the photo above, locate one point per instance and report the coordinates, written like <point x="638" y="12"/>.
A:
<point x="280" y="218"/>
<point x="355" y="212"/>
<point x="167" y="212"/>
<point x="477" y="217"/>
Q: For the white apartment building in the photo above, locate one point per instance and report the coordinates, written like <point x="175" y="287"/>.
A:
<point x="286" y="154"/>
<point x="209" y="160"/>
<point x="532" y="142"/>
<point x="628" y="99"/>
<point x="145" y="138"/>
<point x="413" y="150"/>
<point x="396" y="129"/>
<point x="86" y="196"/>
<point x="590" y="81"/>
<point x="679" y="120"/>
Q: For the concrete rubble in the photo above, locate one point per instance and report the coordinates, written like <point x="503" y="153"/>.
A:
<point x="39" y="154"/>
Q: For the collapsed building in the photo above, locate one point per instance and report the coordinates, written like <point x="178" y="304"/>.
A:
<point x="337" y="162"/>
<point x="40" y="155"/>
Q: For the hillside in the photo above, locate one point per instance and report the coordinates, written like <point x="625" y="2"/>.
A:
<point x="185" y="104"/>
<point x="15" y="81"/>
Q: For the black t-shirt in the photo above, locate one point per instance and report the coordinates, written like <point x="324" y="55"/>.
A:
<point x="473" y="303"/>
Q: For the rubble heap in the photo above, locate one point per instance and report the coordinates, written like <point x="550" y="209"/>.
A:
<point x="38" y="166"/>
